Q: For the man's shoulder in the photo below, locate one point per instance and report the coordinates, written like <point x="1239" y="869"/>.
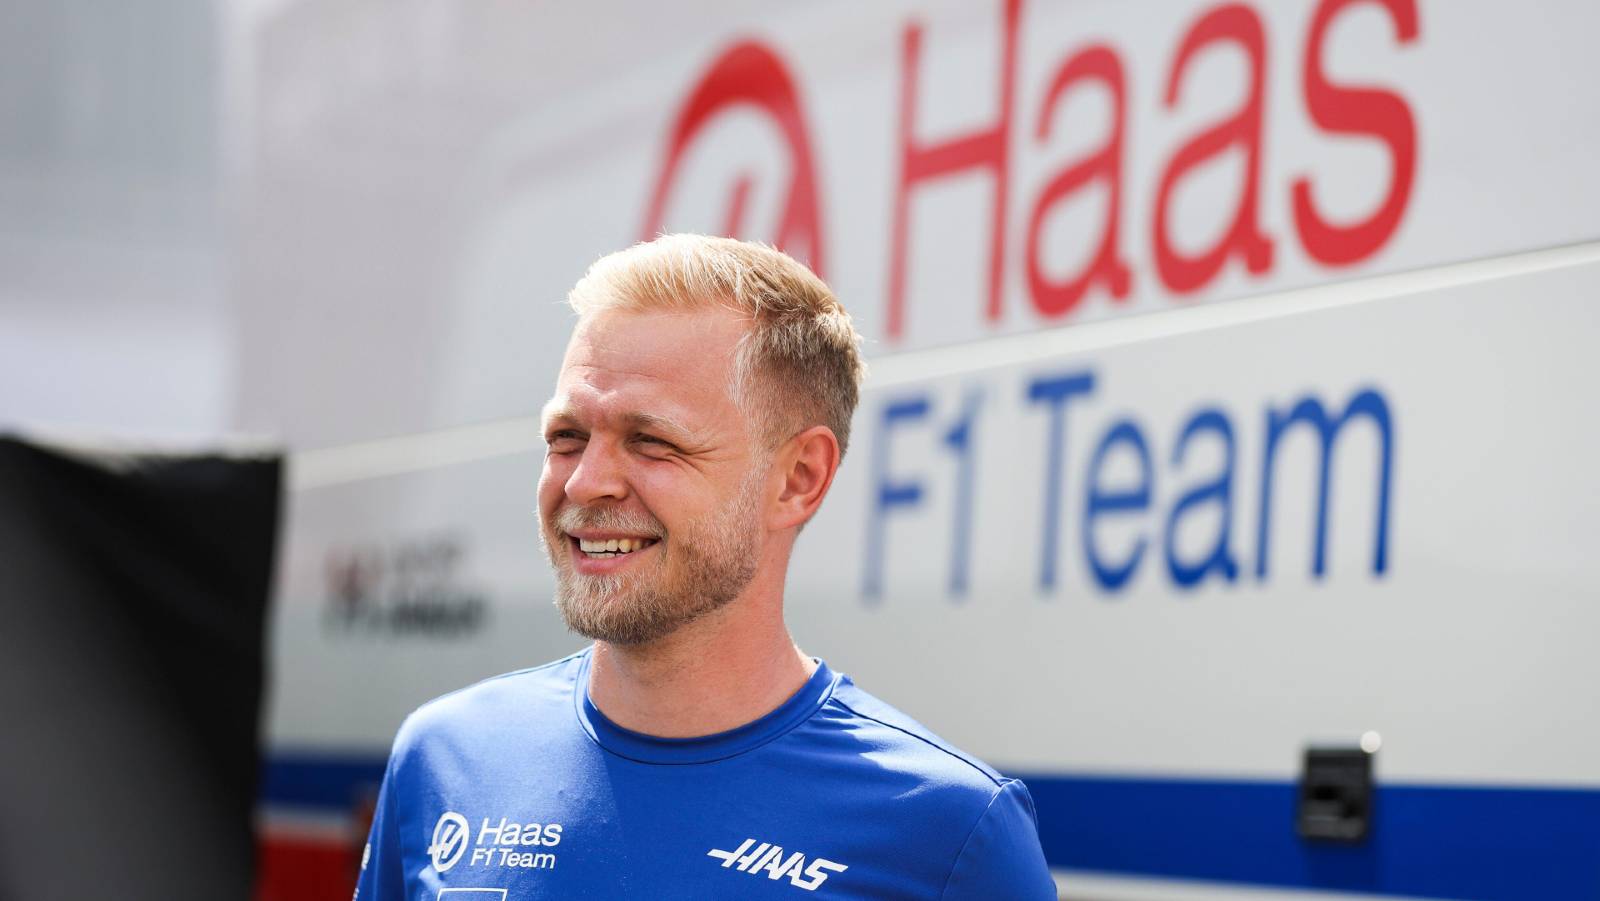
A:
<point x="903" y="750"/>
<point x="488" y="701"/>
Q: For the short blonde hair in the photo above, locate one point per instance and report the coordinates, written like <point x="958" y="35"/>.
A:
<point x="798" y="366"/>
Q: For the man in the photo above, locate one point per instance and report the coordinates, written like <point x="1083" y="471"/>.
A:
<point x="692" y="751"/>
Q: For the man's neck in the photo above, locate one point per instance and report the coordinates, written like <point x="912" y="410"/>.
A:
<point x="714" y="674"/>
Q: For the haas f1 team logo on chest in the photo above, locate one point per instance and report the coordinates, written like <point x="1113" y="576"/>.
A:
<point x="502" y="843"/>
<point x="768" y="859"/>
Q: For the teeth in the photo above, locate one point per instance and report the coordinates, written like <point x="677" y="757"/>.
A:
<point x="613" y="546"/>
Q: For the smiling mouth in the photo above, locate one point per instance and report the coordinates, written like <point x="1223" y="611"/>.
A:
<point x="602" y="549"/>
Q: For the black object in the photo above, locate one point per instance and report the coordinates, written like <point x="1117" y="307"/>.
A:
<point x="1335" y="795"/>
<point x="133" y="589"/>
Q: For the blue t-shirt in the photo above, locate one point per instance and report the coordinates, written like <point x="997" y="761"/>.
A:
<point x="518" y="788"/>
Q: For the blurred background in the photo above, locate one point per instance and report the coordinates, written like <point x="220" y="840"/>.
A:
<point x="1224" y="468"/>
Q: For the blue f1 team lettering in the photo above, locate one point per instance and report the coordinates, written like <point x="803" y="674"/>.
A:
<point x="1307" y="421"/>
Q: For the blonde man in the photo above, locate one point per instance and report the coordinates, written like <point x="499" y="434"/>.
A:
<point x="693" y="751"/>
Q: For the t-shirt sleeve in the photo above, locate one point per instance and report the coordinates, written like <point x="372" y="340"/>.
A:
<point x="382" y="875"/>
<point x="1002" y="857"/>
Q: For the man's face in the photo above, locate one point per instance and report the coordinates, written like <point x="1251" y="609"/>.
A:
<point x="650" y="499"/>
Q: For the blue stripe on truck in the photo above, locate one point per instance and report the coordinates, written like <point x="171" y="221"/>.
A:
<point x="328" y="781"/>
<point x="1455" y="841"/>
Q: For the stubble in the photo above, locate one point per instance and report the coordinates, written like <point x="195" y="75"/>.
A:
<point x="700" y="568"/>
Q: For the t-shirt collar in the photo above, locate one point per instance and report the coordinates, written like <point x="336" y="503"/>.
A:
<point x="706" y="748"/>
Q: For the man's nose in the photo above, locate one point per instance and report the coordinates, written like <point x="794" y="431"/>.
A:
<point x="600" y="474"/>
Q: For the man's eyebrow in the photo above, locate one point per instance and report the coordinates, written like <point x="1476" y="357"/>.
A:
<point x="554" y="409"/>
<point x="557" y="411"/>
<point x="657" y="422"/>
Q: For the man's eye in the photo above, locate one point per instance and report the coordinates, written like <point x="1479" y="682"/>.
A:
<point x="654" y="442"/>
<point x="564" y="442"/>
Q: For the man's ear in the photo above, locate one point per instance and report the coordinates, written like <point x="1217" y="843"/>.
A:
<point x="807" y="463"/>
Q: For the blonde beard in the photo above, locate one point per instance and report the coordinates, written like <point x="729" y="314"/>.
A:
<point x="715" y="559"/>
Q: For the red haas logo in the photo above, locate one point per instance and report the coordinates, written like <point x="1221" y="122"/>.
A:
<point x="750" y="74"/>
